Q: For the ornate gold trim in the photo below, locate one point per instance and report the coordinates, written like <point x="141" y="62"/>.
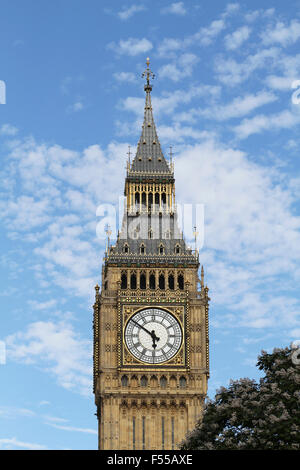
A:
<point x="128" y="360"/>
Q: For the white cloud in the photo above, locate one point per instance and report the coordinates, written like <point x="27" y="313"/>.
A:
<point x="282" y="120"/>
<point x="179" y="69"/>
<point x="230" y="9"/>
<point x="8" y="129"/>
<point x="169" y="45"/>
<point x="125" y="77"/>
<point x="55" y="419"/>
<point x="176" y="8"/>
<point x="48" y="304"/>
<point x="207" y="35"/>
<point x="14" y="443"/>
<point x="13" y="412"/>
<point x="59" y="348"/>
<point x="295" y="333"/>
<point x="127" y="13"/>
<point x="54" y="206"/>
<point x="279" y="82"/>
<point x="25" y="212"/>
<point x="282" y="33"/>
<point x="44" y="403"/>
<point x="177" y="133"/>
<point x="236" y="39"/>
<point x="251" y="234"/>
<point x="131" y="46"/>
<point x="231" y="72"/>
<point x="74" y="429"/>
<point x="75" y="107"/>
<point x="253" y="15"/>
<point x="289" y="67"/>
<point x="203" y="37"/>
<point x="240" y="106"/>
<point x="168" y="102"/>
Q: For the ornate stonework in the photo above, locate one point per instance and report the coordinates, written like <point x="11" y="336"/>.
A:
<point x="150" y="405"/>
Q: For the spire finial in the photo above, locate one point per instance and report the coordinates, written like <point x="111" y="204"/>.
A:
<point x="129" y="153"/>
<point x="171" y="153"/>
<point x="108" y="233"/>
<point x="148" y="74"/>
<point x="195" y="235"/>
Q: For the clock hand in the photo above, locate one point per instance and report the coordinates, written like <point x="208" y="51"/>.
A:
<point x="154" y="338"/>
<point x="147" y="331"/>
<point x="151" y="333"/>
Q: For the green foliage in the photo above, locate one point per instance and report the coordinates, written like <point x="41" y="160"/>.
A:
<point x="250" y="415"/>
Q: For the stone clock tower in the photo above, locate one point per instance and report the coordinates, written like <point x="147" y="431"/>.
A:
<point x="151" y="315"/>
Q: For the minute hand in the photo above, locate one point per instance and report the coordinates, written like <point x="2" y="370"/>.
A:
<point x="147" y="331"/>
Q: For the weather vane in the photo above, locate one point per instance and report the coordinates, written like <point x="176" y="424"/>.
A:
<point x="148" y="74"/>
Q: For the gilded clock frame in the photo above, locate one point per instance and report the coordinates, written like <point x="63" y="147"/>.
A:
<point x="127" y="361"/>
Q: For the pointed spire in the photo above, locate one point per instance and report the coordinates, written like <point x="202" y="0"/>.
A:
<point x="202" y="278"/>
<point x="149" y="157"/>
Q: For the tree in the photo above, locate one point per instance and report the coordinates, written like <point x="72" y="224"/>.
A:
<point x="250" y="415"/>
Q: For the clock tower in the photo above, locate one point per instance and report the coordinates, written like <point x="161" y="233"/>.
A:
<point x="151" y="315"/>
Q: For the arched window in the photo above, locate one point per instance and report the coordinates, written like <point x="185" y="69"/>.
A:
<point x="157" y="199"/>
<point x="144" y="381"/>
<point x="124" y="281"/>
<point x="180" y="282"/>
<point x="163" y="382"/>
<point x="152" y="281"/>
<point x="153" y="381"/>
<point x="163" y="199"/>
<point x="126" y="248"/>
<point x="161" y="249"/>
<point x="150" y="233"/>
<point x="161" y="281"/>
<point x="182" y="382"/>
<point x="171" y="281"/>
<point x="124" y="381"/>
<point x="142" y="249"/>
<point x="133" y="281"/>
<point x="143" y="281"/>
<point x="150" y="201"/>
<point x="144" y="200"/>
<point x="177" y="249"/>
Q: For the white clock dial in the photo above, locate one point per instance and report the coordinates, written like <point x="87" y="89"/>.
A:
<point x="153" y="335"/>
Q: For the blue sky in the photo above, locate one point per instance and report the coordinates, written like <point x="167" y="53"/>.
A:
<point x="223" y="98"/>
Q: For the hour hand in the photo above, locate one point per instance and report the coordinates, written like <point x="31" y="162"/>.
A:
<point x="154" y="338"/>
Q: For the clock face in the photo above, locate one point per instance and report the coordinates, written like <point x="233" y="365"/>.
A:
<point x="153" y="336"/>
